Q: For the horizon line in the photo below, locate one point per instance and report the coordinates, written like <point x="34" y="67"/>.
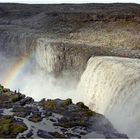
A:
<point x="74" y="3"/>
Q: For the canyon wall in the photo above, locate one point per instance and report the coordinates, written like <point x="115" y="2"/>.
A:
<point x="64" y="37"/>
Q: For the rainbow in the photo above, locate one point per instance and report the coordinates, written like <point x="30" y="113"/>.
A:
<point x="17" y="69"/>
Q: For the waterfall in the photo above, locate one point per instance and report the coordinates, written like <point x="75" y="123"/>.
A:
<point x="111" y="86"/>
<point x="61" y="58"/>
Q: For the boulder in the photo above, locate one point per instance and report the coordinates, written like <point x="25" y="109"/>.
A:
<point x="44" y="134"/>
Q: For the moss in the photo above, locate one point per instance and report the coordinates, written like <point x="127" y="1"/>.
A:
<point x="67" y="125"/>
<point x="57" y="135"/>
<point x="67" y="102"/>
<point x="5" y="128"/>
<point x="20" y="114"/>
<point x="50" y="104"/>
<point x="81" y="105"/>
<point x="15" y="98"/>
<point x="35" y="119"/>
<point x="18" y="128"/>
<point x="88" y="113"/>
<point x="6" y="90"/>
<point x="1" y="89"/>
<point x="9" y="127"/>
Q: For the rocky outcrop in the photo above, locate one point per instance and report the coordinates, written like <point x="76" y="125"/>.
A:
<point x="50" y="119"/>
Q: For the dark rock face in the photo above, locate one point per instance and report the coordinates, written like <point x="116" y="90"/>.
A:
<point x="26" y="100"/>
<point x="51" y="119"/>
<point x="44" y="134"/>
<point x="29" y="134"/>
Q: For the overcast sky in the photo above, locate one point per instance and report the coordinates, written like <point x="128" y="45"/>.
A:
<point x="70" y="1"/>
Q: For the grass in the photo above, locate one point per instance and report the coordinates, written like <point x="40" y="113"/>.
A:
<point x="9" y="127"/>
<point x="88" y="113"/>
<point x="57" y="135"/>
<point x="81" y="105"/>
<point x="36" y="119"/>
<point x="67" y="102"/>
<point x="50" y="104"/>
<point x="15" y="98"/>
<point x="1" y="89"/>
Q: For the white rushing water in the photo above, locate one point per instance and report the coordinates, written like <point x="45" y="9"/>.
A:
<point x="111" y="86"/>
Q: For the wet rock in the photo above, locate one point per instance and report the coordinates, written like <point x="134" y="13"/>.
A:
<point x="73" y="107"/>
<point x="20" y="114"/>
<point x="68" y="119"/>
<point x="29" y="134"/>
<point x="35" y="118"/>
<point x="1" y="111"/>
<point x="70" y="135"/>
<point x="26" y="100"/>
<point x="47" y="113"/>
<point x="53" y="120"/>
<point x="22" y="137"/>
<point x="21" y="111"/>
<point x="44" y="134"/>
<point x="57" y="135"/>
<point x="82" y="133"/>
<point x="63" y="130"/>
<point x="115" y="135"/>
<point x="69" y="122"/>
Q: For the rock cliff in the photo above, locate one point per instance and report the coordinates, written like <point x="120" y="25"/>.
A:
<point x="109" y="29"/>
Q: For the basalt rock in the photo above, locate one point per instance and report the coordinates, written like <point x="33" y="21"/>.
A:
<point x="52" y="119"/>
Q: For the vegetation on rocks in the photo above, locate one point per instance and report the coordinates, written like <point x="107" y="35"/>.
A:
<point x="67" y="102"/>
<point x="19" y="113"/>
<point x="50" y="104"/>
<point x="82" y="105"/>
<point x="15" y="98"/>
<point x="88" y="113"/>
<point x="35" y="118"/>
<point x="57" y="135"/>
<point x="9" y="128"/>
<point x="1" y="89"/>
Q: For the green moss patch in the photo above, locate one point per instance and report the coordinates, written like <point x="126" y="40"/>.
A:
<point x="88" y="113"/>
<point x="10" y="128"/>
<point x="35" y="119"/>
<point x="15" y="98"/>
<point x="50" y="104"/>
<point x="57" y="135"/>
<point x="1" y="89"/>
<point x="67" y="102"/>
<point x="81" y="105"/>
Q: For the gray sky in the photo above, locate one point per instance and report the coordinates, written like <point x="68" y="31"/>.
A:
<point x="70" y="1"/>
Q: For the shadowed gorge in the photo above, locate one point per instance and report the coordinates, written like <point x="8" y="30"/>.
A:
<point x="87" y="52"/>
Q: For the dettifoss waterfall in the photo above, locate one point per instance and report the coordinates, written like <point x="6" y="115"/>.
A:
<point x="111" y="86"/>
<point x="108" y="85"/>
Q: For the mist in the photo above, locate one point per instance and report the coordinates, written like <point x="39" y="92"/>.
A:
<point x="37" y="83"/>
